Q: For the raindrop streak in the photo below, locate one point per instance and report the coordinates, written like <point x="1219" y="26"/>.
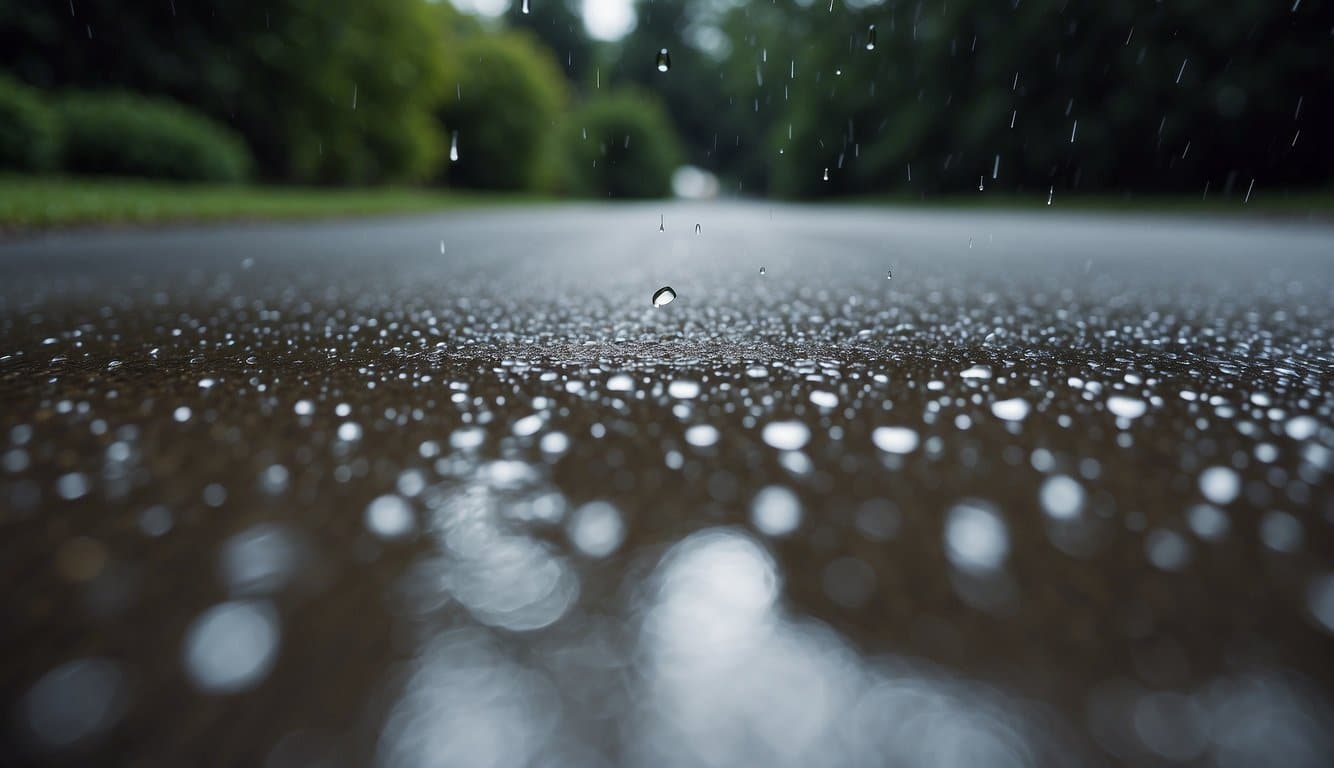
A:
<point x="662" y="223"/>
<point x="870" y="38"/>
<point x="762" y="272"/>
<point x="664" y="296"/>
<point x="664" y="60"/>
<point x="1050" y="192"/>
<point x="1073" y="131"/>
<point x="826" y="174"/>
<point x="697" y="229"/>
<point x="454" y="147"/>
<point x="980" y="179"/>
<point x="1248" y="192"/>
<point x="889" y="274"/>
<point x="525" y="6"/>
<point x="995" y="168"/>
<point x="1181" y="71"/>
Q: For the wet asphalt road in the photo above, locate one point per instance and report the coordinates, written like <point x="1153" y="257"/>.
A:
<point x="449" y="491"/>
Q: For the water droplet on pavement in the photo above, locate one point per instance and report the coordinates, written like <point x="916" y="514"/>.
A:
<point x="664" y="296"/>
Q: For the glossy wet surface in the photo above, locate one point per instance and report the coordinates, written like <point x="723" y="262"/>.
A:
<point x="1056" y="493"/>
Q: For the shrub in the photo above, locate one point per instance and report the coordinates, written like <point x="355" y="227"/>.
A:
<point x="125" y="135"/>
<point x="281" y="73"/>
<point x="29" y="131"/>
<point x="503" y="98"/>
<point x="619" y="145"/>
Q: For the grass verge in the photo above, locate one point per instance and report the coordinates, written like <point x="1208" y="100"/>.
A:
<point x="33" y="203"/>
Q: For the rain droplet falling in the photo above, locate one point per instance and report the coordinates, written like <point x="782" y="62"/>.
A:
<point x="826" y="174"/>
<point x="662" y="223"/>
<point x="870" y="38"/>
<point x="697" y="229"/>
<point x="664" y="296"/>
<point x="664" y="60"/>
<point x="454" y="147"/>
<point x="525" y="7"/>
<point x="1050" y="192"/>
<point x="762" y="272"/>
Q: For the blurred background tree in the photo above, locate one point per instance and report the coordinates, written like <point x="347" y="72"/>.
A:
<point x="559" y="26"/>
<point x="1169" y="96"/>
<point x="619" y="144"/>
<point x="507" y="95"/>
<point x="321" y="90"/>
<point x="1132" y="97"/>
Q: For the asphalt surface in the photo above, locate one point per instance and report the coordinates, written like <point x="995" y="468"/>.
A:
<point x="451" y="491"/>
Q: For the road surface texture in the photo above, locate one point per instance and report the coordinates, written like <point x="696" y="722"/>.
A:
<point x="451" y="491"/>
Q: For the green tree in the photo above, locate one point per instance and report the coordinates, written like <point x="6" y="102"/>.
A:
<point x="322" y="90"/>
<point x="559" y="26"/>
<point x="619" y="144"/>
<point x="775" y="92"/>
<point x="503" y="95"/>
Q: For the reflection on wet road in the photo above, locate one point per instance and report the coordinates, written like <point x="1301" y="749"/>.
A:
<point x="324" y="495"/>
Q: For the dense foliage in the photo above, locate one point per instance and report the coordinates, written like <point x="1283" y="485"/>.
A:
<point x="322" y="90"/>
<point x="127" y="135"/>
<point x="1136" y="96"/>
<point x="619" y="145"/>
<point x="506" y="98"/>
<point x="789" y="88"/>
<point x="29" y="133"/>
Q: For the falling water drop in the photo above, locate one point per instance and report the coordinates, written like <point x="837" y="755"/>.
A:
<point x="826" y="174"/>
<point x="454" y="147"/>
<point x="979" y="183"/>
<point x="762" y="272"/>
<point x="664" y="60"/>
<point x="442" y="247"/>
<point x="697" y="229"/>
<point x="1051" y="191"/>
<point x="889" y="274"/>
<point x="662" y="223"/>
<point x="870" y="38"/>
<point x="664" y="296"/>
<point x="525" y="6"/>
